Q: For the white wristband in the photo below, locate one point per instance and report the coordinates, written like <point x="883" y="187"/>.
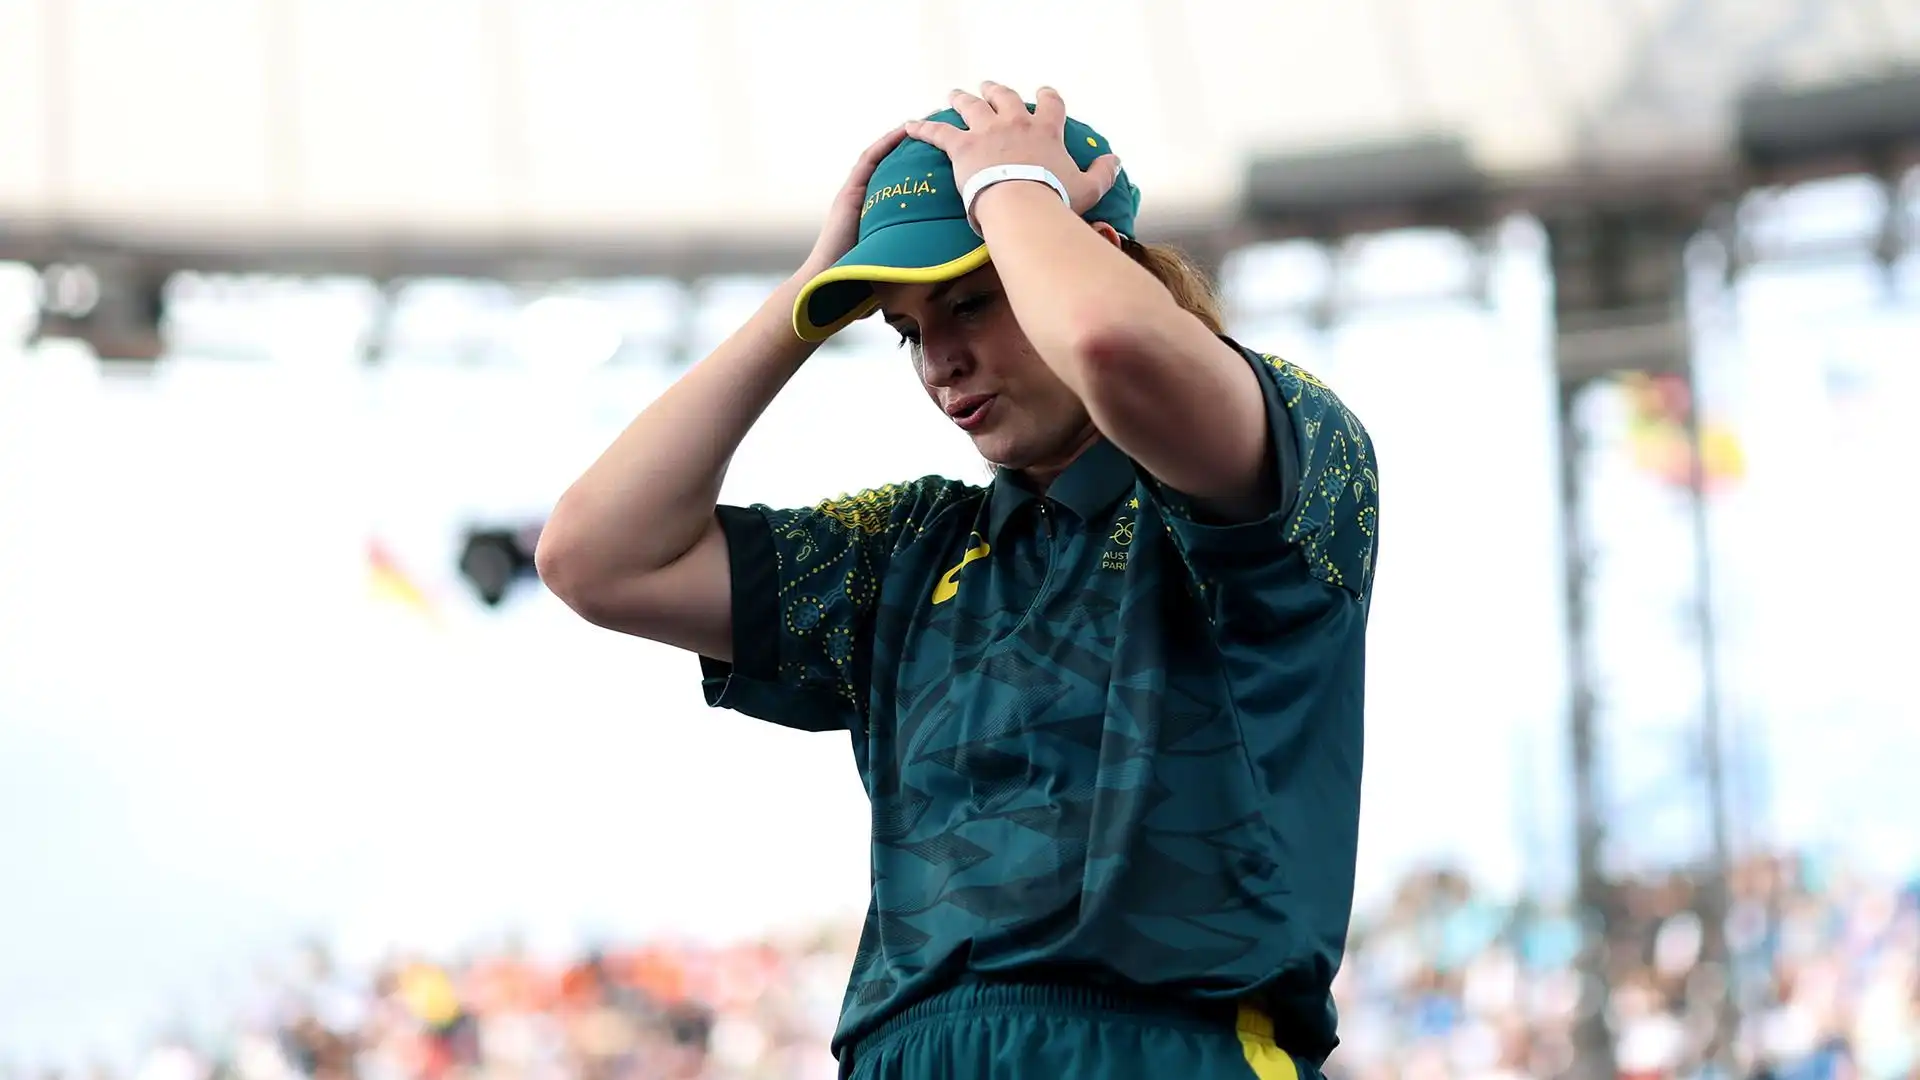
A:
<point x="994" y="174"/>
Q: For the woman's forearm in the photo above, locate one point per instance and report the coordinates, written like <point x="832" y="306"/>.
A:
<point x="650" y="495"/>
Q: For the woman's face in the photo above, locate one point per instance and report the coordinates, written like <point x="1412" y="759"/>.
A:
<point x="981" y="372"/>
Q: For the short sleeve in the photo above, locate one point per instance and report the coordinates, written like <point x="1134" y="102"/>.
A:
<point x="805" y="586"/>
<point x="1327" y="522"/>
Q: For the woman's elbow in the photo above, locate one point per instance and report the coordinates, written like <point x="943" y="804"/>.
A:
<point x="589" y="591"/>
<point x="563" y="557"/>
<point x="573" y="560"/>
<point x="1105" y="342"/>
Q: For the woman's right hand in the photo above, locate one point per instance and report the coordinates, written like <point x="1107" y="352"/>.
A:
<point x="634" y="544"/>
<point x="842" y="227"/>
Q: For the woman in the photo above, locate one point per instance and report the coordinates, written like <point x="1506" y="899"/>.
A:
<point x="1107" y="709"/>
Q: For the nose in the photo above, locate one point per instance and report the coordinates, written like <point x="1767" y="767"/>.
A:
<point x="944" y="359"/>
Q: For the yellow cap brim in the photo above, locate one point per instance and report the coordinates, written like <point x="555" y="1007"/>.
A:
<point x="910" y="253"/>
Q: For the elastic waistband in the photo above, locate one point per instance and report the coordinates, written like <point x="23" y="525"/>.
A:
<point x="975" y="996"/>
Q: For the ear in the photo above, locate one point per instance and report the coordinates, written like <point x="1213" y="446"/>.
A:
<point x="1107" y="232"/>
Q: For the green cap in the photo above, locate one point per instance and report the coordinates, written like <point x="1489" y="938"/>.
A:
<point x="913" y="229"/>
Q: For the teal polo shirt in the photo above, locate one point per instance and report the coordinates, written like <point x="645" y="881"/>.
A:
<point x="1103" y="741"/>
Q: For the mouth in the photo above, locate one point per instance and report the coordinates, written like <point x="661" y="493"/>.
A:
<point x="968" y="413"/>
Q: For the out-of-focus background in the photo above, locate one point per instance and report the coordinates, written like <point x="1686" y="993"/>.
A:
<point x="309" y="309"/>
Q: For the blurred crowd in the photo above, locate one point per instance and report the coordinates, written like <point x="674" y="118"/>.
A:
<point x="759" y="1010"/>
<point x="1445" y="984"/>
<point x="1822" y="974"/>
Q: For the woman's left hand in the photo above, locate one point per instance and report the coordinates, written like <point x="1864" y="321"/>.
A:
<point x="1001" y="131"/>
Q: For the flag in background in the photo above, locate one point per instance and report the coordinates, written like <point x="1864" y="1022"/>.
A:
<point x="1657" y="433"/>
<point x="388" y="583"/>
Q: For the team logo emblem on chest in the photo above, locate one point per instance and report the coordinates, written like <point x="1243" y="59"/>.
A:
<point x="1119" y="540"/>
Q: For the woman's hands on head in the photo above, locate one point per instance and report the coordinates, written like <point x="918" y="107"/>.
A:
<point x="1001" y="130"/>
<point x="842" y="226"/>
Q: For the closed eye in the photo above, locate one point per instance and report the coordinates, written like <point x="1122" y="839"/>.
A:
<point x="972" y="305"/>
<point x="964" y="308"/>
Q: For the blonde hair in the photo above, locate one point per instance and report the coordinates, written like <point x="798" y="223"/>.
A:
<point x="1192" y="289"/>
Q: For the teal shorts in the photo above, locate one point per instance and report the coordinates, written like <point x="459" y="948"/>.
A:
<point x="1002" y="1031"/>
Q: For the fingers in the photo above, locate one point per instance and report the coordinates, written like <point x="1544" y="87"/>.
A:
<point x="934" y="133"/>
<point x="1049" y="106"/>
<point x="1001" y="104"/>
<point x="1003" y="99"/>
<point x="1105" y="170"/>
<point x="883" y="146"/>
<point x="971" y="109"/>
<point x="1098" y="179"/>
<point x="871" y="157"/>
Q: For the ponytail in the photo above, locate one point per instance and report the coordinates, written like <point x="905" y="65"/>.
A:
<point x="1190" y="286"/>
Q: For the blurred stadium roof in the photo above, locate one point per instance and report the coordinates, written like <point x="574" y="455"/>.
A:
<point x="562" y="125"/>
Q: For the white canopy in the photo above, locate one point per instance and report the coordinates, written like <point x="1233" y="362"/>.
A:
<point x="472" y="119"/>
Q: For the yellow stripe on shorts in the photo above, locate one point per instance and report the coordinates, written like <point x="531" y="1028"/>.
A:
<point x="1266" y="1059"/>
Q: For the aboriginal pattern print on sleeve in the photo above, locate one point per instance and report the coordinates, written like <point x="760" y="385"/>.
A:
<point x="1336" y="513"/>
<point x="1331" y="520"/>
<point x="832" y="559"/>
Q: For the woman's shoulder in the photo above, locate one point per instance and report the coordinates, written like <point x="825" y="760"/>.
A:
<point x="907" y="505"/>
